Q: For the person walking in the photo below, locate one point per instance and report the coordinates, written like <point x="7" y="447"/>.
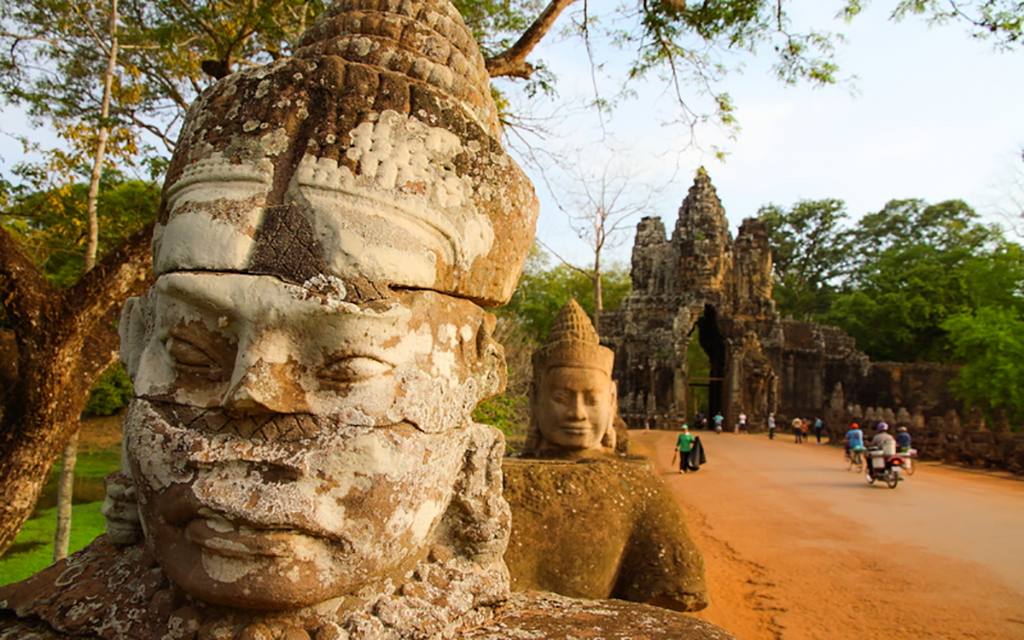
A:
<point x="771" y="426"/>
<point x="684" y="443"/>
<point x="818" y="427"/>
<point x="741" y="423"/>
<point x="719" y="419"/>
<point x="798" y="430"/>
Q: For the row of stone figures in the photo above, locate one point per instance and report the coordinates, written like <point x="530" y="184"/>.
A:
<point x="949" y="438"/>
<point x="299" y="461"/>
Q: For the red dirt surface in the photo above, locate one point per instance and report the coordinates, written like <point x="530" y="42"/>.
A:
<point x="795" y="548"/>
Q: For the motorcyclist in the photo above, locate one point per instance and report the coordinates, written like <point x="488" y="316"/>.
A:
<point x="883" y="440"/>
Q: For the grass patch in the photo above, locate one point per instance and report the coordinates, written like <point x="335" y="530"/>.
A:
<point x="90" y="469"/>
<point x="32" y="550"/>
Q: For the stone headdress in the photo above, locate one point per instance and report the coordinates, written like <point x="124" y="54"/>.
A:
<point x="373" y="153"/>
<point x="572" y="342"/>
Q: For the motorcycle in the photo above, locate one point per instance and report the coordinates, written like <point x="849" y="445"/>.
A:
<point x="883" y="467"/>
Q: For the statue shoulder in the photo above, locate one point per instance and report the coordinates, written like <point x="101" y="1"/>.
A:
<point x="545" y="615"/>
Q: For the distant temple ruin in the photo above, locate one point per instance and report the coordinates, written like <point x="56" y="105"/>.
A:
<point x="701" y="278"/>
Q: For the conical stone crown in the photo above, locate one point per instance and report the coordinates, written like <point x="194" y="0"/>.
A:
<point x="374" y="153"/>
<point x="572" y="323"/>
<point x="572" y="342"/>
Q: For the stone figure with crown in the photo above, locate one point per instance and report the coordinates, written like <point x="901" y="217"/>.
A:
<point x="573" y="399"/>
<point x="299" y="459"/>
<point x="589" y="521"/>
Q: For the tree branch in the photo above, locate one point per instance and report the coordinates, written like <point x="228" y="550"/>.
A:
<point x="23" y="289"/>
<point x="121" y="271"/>
<point x="512" y="62"/>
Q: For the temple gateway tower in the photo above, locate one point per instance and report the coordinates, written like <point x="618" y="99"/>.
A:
<point x="699" y="279"/>
<point x="702" y="280"/>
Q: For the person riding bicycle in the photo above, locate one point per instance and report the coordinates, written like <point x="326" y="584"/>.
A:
<point x="902" y="440"/>
<point x="854" y="438"/>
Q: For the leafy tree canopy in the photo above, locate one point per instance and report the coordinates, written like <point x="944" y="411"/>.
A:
<point x="543" y="290"/>
<point x="892" y="279"/>
<point x="810" y="253"/>
<point x="990" y="344"/>
<point x="50" y="224"/>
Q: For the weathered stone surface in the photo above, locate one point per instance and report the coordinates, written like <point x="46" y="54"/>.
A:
<point x="601" y="528"/>
<point x="381" y="135"/>
<point x="117" y="593"/>
<point x="535" y="616"/>
<point x="698" y="278"/>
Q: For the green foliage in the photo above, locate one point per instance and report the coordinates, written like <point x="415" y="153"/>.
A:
<point x="52" y="53"/>
<point x="496" y="24"/>
<point x="810" y="253"/>
<point x="111" y="393"/>
<point x="990" y="344"/>
<point x="543" y="290"/>
<point x="503" y="412"/>
<point x="50" y="224"/>
<point x="33" y="549"/>
<point x="1001" y="20"/>
<point x="895" y="277"/>
<point x="914" y="266"/>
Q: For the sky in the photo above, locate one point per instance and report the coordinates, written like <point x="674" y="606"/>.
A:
<point x="931" y="114"/>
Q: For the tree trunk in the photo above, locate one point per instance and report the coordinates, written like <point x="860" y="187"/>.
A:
<point x="598" y="293"/>
<point x="65" y="493"/>
<point x="64" y="341"/>
<point x="65" y="490"/>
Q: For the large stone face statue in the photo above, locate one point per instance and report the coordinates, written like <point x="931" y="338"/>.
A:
<point x="299" y="461"/>
<point x="573" y="399"/>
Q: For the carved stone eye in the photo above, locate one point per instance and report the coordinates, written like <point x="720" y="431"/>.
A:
<point x="352" y="369"/>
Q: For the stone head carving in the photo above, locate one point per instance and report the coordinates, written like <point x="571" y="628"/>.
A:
<point x="307" y="362"/>
<point x="573" y="399"/>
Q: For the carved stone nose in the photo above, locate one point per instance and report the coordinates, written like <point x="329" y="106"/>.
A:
<point x="576" y="408"/>
<point x="265" y="388"/>
<point x="243" y="398"/>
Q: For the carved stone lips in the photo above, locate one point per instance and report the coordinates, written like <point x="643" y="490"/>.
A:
<point x="576" y="429"/>
<point x="226" y="538"/>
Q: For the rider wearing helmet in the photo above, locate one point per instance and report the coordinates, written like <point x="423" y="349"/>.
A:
<point x="883" y="440"/>
<point x="854" y="437"/>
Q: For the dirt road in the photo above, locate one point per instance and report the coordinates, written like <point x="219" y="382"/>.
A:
<point x="797" y="547"/>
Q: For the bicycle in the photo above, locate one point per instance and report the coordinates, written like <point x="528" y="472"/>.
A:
<point x="908" y="461"/>
<point x="855" y="460"/>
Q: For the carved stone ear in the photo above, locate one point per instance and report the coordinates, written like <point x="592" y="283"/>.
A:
<point x="134" y="328"/>
<point x="478" y="519"/>
<point x="610" y="438"/>
<point x="491" y="372"/>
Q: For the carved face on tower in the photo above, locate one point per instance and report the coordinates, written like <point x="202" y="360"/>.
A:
<point x="573" y="400"/>
<point x="307" y="362"/>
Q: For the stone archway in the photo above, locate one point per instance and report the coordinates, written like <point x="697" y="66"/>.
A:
<point x="706" y="389"/>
